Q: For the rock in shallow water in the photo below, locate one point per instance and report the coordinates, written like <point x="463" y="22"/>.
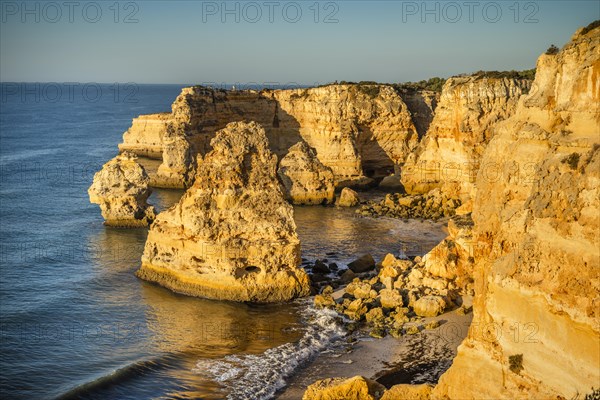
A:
<point x="348" y="198"/>
<point x="232" y="235"/>
<point x="305" y="179"/>
<point x="121" y="189"/>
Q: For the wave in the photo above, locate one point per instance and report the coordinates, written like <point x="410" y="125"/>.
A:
<point x="260" y="376"/>
<point x="26" y="154"/>
<point x="119" y="375"/>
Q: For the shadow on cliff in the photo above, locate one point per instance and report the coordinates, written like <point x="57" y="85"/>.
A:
<point x="376" y="163"/>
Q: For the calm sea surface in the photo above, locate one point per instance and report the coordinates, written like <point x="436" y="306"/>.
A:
<point x="74" y="320"/>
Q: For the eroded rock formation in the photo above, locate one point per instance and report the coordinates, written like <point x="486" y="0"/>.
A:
<point x="356" y="130"/>
<point x="232" y="235"/>
<point x="449" y="155"/>
<point x="121" y="190"/>
<point x="305" y="179"/>
<point x="535" y="331"/>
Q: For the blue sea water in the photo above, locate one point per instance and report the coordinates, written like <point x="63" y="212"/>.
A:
<point x="74" y="320"/>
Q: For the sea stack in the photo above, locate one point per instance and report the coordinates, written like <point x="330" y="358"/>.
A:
<point x="121" y="189"/>
<point x="305" y="179"/>
<point x="232" y="235"/>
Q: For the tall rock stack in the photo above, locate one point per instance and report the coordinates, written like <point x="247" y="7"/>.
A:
<point x="304" y="178"/>
<point x="232" y="235"/>
<point x="121" y="190"/>
<point x="536" y="325"/>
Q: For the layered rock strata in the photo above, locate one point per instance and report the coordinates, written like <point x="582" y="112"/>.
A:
<point x="145" y="136"/>
<point x="536" y="326"/>
<point x="304" y="178"/>
<point x="121" y="190"/>
<point x="232" y="235"/>
<point x="450" y="153"/>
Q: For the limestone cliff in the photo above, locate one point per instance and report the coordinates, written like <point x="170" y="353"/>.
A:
<point x="121" y="189"/>
<point x="535" y="332"/>
<point x="305" y="179"/>
<point x="356" y="130"/>
<point x="450" y="153"/>
<point x="232" y="235"/>
<point x="145" y="136"/>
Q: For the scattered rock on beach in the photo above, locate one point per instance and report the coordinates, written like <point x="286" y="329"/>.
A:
<point x="355" y="388"/>
<point x="348" y="198"/>
<point x="429" y="306"/>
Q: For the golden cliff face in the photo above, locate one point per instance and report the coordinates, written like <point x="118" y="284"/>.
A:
<point x="356" y="130"/>
<point x="536" y="326"/>
<point x="449" y="155"/>
<point x="232" y="235"/>
<point x="145" y="136"/>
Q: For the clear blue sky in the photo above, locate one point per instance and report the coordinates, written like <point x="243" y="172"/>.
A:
<point x="188" y="41"/>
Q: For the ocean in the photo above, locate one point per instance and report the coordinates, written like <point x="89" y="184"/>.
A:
<point x="74" y="320"/>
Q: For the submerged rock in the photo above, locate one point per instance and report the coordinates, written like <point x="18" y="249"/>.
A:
<point x="232" y="235"/>
<point x="305" y="179"/>
<point x="348" y="198"/>
<point x="356" y="388"/>
<point x="121" y="190"/>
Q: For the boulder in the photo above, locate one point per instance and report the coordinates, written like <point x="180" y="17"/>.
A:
<point x="320" y="267"/>
<point x="348" y="198"/>
<point x="324" y="301"/>
<point x="347" y="276"/>
<point x="356" y="388"/>
<point x="429" y="306"/>
<point x="121" y="190"/>
<point x="390" y="298"/>
<point x="391" y="183"/>
<point x="232" y="235"/>
<point x="362" y="264"/>
<point x="305" y="179"/>
<point x="375" y="316"/>
<point x="359" y="289"/>
<point x="356" y="310"/>
<point x="408" y="392"/>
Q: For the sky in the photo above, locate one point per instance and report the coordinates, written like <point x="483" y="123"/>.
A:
<point x="277" y="42"/>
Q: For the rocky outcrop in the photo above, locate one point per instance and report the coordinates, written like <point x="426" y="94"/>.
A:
<point x="396" y="299"/>
<point x="145" y="136"/>
<point x="356" y="388"/>
<point x="121" y="190"/>
<point x="305" y="179"/>
<point x="453" y="258"/>
<point x="232" y="235"/>
<point x="356" y="130"/>
<point x="348" y="198"/>
<point x="449" y="155"/>
<point x="433" y="205"/>
<point x="535" y="331"/>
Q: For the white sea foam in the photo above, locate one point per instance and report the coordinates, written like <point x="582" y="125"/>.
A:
<point x="260" y="376"/>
